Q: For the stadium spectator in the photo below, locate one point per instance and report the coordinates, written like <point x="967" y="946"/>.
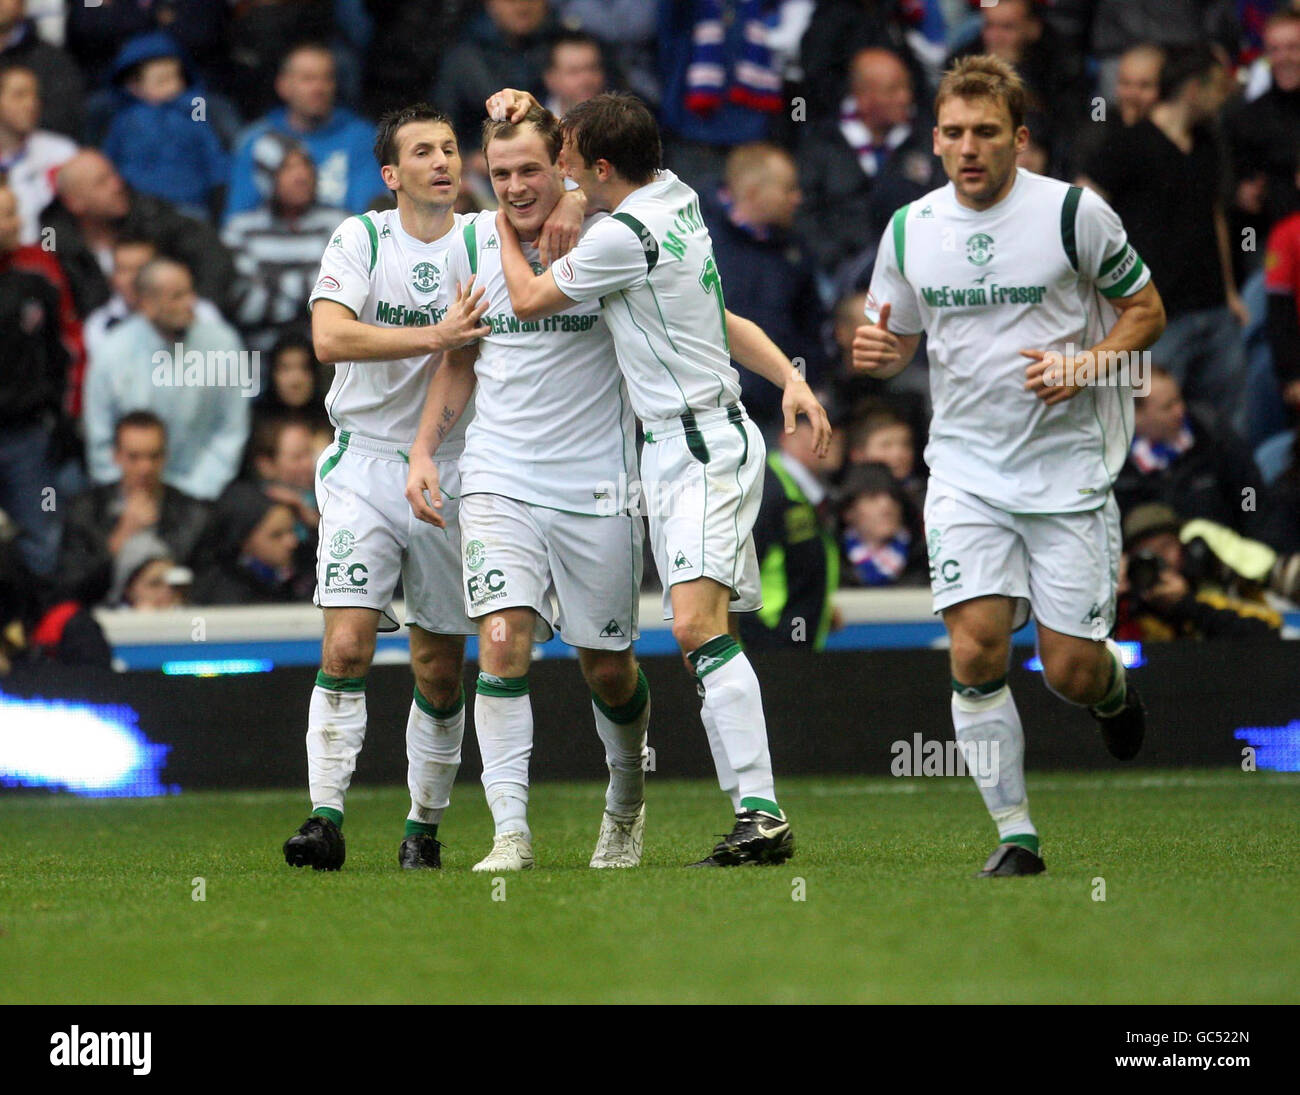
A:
<point x="1282" y="280"/>
<point x="1162" y="176"/>
<point x="33" y="367"/>
<point x="1193" y="462"/>
<point x="36" y="624"/>
<point x="1264" y="135"/>
<point x="1137" y="89"/>
<point x="403" y="59"/>
<point x="146" y="577"/>
<point x="505" y="45"/>
<point x="95" y="32"/>
<point x="248" y="556"/>
<point x="283" y="456"/>
<point x="264" y="33"/>
<point x="102" y="520"/>
<point x="797" y="554"/>
<point x="339" y="142"/>
<point x="94" y="208"/>
<point x="56" y="72"/>
<point x="722" y="85"/>
<point x="858" y="168"/>
<point x="44" y="263"/>
<point x="838" y="32"/>
<point x="28" y="155"/>
<point x="1015" y="31"/>
<point x="277" y="249"/>
<point x="129" y="257"/>
<point x="628" y="29"/>
<point x="157" y="141"/>
<point x="1184" y="580"/>
<point x="191" y="372"/>
<point x="881" y="538"/>
<point x="294" y="383"/>
<point x="575" y="71"/>
<point x="769" y="275"/>
<point x="881" y="433"/>
<point x="1171" y="24"/>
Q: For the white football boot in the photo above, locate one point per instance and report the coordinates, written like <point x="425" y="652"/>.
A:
<point x="620" y="840"/>
<point x="510" y="852"/>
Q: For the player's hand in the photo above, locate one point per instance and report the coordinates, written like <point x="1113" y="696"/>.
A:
<point x="1047" y="375"/>
<point x="462" y="322"/>
<point x="874" y="347"/>
<point x="422" y="490"/>
<point x="562" y="228"/>
<point x="509" y="105"/>
<point x="799" y="400"/>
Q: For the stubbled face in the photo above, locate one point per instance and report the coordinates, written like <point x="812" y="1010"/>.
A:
<point x="293" y="378"/>
<point x="141" y="453"/>
<point x="169" y="303"/>
<point x="1137" y="85"/>
<point x="20" y="102"/>
<point x="273" y="540"/>
<point x="891" y="446"/>
<point x="527" y="184"/>
<point x="585" y="175"/>
<point x="428" y="167"/>
<point x="1159" y="417"/>
<point x="576" y="74"/>
<point x="128" y="260"/>
<point x="149" y="591"/>
<point x="881" y="90"/>
<point x="978" y="147"/>
<point x="10" y="224"/>
<point x="875" y="517"/>
<point x="1282" y="45"/>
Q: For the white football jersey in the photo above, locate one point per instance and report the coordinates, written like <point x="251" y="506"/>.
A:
<point x="1032" y="273"/>
<point x="651" y="265"/>
<point x="553" y="424"/>
<point x="389" y="279"/>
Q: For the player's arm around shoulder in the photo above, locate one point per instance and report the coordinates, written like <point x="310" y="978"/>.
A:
<point x="532" y="296"/>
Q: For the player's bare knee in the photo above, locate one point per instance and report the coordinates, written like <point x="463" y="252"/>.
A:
<point x="437" y="675"/>
<point x="1072" y="676"/>
<point x="979" y="656"/>
<point x="346" y="654"/>
<point x="691" y="632"/>
<point x="612" y="677"/>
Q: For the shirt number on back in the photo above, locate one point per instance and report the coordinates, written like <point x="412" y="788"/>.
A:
<point x="712" y="283"/>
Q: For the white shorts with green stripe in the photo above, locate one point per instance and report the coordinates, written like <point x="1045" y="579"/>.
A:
<point x="369" y="538"/>
<point x="701" y="485"/>
<point x="1064" y="566"/>
<point x="580" y="573"/>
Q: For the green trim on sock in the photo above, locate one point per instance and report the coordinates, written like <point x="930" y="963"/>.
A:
<point x="340" y="684"/>
<point x="1025" y="840"/>
<point x="753" y="802"/>
<point x="416" y="828"/>
<point x="978" y="691"/>
<point x="715" y="653"/>
<point x="1112" y="703"/>
<point x="443" y="713"/>
<point x="629" y="711"/>
<point x="330" y="814"/>
<point x="505" y="687"/>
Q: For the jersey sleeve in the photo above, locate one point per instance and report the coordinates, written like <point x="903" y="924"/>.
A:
<point x="611" y="256"/>
<point x="345" y="267"/>
<point x="889" y="286"/>
<point x="1106" y="258"/>
<point x="462" y="256"/>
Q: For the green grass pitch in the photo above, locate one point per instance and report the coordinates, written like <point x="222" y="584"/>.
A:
<point x="1199" y="869"/>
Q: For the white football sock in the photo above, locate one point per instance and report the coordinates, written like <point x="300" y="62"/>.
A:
<point x="336" y="728"/>
<point x="433" y="740"/>
<point x="735" y="706"/>
<point x="503" y="721"/>
<point x="993" y="742"/>
<point x="625" y="749"/>
<point x="727" y="779"/>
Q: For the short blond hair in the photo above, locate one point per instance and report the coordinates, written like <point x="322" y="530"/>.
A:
<point x="985" y="77"/>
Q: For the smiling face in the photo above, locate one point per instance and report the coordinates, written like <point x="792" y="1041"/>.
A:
<point x="527" y="184"/>
<point x="978" y="146"/>
<point x="428" y="165"/>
